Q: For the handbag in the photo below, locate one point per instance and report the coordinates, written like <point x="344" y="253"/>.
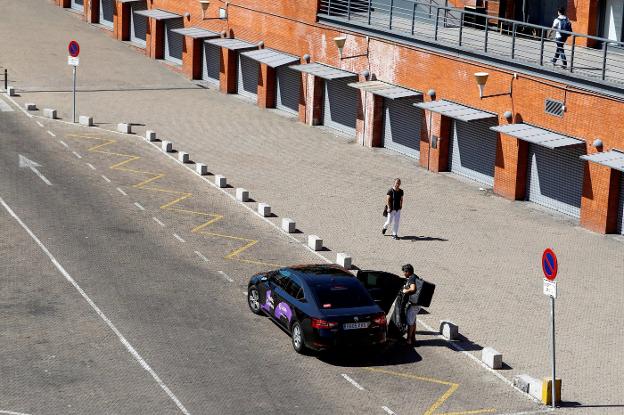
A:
<point x="385" y="211"/>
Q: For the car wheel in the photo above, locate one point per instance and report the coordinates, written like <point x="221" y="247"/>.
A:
<point x="297" y="338"/>
<point x="253" y="300"/>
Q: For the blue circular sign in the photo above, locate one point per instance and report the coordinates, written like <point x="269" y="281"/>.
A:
<point x="549" y="264"/>
<point x="73" y="48"/>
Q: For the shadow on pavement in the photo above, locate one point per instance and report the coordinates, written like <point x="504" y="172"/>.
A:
<point x="414" y="238"/>
<point x="395" y="352"/>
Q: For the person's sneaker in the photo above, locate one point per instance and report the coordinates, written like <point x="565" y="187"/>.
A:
<point x="395" y="237"/>
<point x="383" y="231"/>
<point x="564" y="67"/>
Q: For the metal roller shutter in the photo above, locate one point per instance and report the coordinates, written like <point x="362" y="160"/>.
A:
<point x="138" y="24"/>
<point x="340" y="107"/>
<point x="402" y="125"/>
<point x="174" y="42"/>
<point x="107" y="8"/>
<point x="556" y="178"/>
<point x="288" y="84"/>
<point x="473" y="150"/>
<point x="248" y="71"/>
<point x="620" y="227"/>
<point x="77" y="5"/>
<point x="211" y="63"/>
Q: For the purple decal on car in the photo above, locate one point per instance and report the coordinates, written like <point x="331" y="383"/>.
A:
<point x="268" y="304"/>
<point x="283" y="309"/>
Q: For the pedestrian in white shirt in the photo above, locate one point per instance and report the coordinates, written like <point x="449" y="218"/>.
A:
<point x="559" y="24"/>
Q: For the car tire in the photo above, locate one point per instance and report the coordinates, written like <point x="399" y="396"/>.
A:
<point x="296" y="333"/>
<point x="253" y="300"/>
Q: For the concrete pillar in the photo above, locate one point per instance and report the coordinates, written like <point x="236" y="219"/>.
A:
<point x="599" y="203"/>
<point x="434" y="142"/>
<point x="227" y="71"/>
<point x="191" y="57"/>
<point x="267" y="87"/>
<point x="511" y="169"/>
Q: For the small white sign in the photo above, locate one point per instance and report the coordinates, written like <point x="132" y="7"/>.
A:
<point x="73" y="61"/>
<point x="550" y="288"/>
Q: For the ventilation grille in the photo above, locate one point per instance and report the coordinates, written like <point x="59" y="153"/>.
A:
<point x="554" y="107"/>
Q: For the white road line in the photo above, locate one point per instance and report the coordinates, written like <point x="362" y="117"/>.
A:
<point x="4" y="107"/>
<point x="64" y="143"/>
<point x="29" y="115"/>
<point x="388" y="410"/>
<point x="137" y="204"/>
<point x="351" y="381"/>
<point x="91" y="166"/>
<point x="99" y="312"/>
<point x="175" y="235"/>
<point x="158" y="222"/>
<point x="106" y="178"/>
<point x="39" y="124"/>
<point x="537" y="411"/>
<point x="51" y="133"/>
<point x="77" y="155"/>
<point x="12" y="413"/>
<point x="120" y="190"/>
<point x="199" y="254"/>
<point x="227" y="277"/>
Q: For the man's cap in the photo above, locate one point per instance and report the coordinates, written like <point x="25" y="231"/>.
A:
<point x="407" y="268"/>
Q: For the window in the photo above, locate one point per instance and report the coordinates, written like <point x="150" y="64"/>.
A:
<point x="341" y="293"/>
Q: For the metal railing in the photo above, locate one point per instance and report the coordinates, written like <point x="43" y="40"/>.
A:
<point x="479" y="33"/>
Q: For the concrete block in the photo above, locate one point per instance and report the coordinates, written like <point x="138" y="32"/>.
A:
<point x="288" y="225"/>
<point x="535" y="388"/>
<point x="492" y="358"/>
<point x="201" y="169"/>
<point x="547" y="391"/>
<point x="344" y="260"/>
<point x="166" y="146"/>
<point x="522" y="382"/>
<point x="85" y="120"/>
<point x="315" y="243"/>
<point x="220" y="181"/>
<point x="29" y="106"/>
<point x="242" y="195"/>
<point x="183" y="157"/>
<point x="49" y="113"/>
<point x="10" y="91"/>
<point x="449" y="330"/>
<point x="150" y="136"/>
<point x="124" y="128"/>
<point x="264" y="209"/>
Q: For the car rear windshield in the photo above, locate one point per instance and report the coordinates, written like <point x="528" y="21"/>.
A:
<point x="341" y="294"/>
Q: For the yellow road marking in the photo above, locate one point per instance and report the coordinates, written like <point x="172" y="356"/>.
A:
<point x="214" y="217"/>
<point x="440" y="401"/>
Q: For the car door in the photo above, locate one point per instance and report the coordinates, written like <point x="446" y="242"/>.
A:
<point x="382" y="286"/>
<point x="283" y="300"/>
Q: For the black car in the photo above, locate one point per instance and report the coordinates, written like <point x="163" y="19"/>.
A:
<point x="321" y="306"/>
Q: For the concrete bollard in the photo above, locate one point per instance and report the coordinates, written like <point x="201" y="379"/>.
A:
<point x="528" y="384"/>
<point x="315" y="243"/>
<point x="492" y="358"/>
<point x="124" y="128"/>
<point x="29" y="106"/>
<point x="183" y="157"/>
<point x="150" y="136"/>
<point x="220" y="181"/>
<point x="85" y="120"/>
<point x="288" y="225"/>
<point x="201" y="169"/>
<point x="166" y="146"/>
<point x="547" y="391"/>
<point x="449" y="330"/>
<point x="264" y="209"/>
<point x="344" y="260"/>
<point x="49" y="113"/>
<point x="242" y="195"/>
<point x="10" y="91"/>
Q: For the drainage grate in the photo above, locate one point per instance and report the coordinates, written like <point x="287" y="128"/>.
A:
<point x="554" y="107"/>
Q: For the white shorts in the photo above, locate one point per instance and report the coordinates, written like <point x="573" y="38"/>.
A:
<point x="412" y="312"/>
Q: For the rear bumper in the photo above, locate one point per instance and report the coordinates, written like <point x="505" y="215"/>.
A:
<point x="333" y="339"/>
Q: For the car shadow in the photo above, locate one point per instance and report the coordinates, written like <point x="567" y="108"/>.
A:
<point x="394" y="352"/>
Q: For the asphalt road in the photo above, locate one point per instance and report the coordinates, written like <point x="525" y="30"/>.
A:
<point x="122" y="292"/>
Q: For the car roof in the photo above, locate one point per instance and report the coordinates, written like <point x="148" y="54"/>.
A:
<point x="318" y="272"/>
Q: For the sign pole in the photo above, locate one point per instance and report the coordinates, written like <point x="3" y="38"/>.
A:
<point x="552" y="341"/>
<point x="74" y="50"/>
<point x="550" y="267"/>
<point x="74" y="94"/>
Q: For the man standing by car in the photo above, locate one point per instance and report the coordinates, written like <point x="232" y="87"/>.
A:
<point x="412" y="311"/>
<point x="394" y="203"/>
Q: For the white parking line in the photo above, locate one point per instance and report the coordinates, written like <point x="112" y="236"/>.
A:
<point x="106" y="178"/>
<point x="158" y="222"/>
<point x="537" y="411"/>
<point x="12" y="413"/>
<point x="77" y="155"/>
<point x="99" y="312"/>
<point x="227" y="277"/>
<point x="51" y="133"/>
<point x="64" y="143"/>
<point x="388" y="410"/>
<point x="91" y="166"/>
<point x="351" y="381"/>
<point x="137" y="204"/>
<point x="175" y="235"/>
<point x="199" y="254"/>
<point x="39" y="124"/>
<point x="120" y="190"/>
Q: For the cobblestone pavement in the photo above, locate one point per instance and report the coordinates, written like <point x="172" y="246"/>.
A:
<point x="482" y="251"/>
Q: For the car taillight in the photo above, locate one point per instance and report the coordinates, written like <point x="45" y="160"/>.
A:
<point x="380" y="320"/>
<point x="323" y="324"/>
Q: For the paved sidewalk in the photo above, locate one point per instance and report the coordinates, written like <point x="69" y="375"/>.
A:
<point x="482" y="251"/>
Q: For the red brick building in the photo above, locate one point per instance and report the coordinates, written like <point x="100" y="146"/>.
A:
<point x="537" y="133"/>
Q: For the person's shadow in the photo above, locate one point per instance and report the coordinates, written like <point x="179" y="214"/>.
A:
<point x="415" y="238"/>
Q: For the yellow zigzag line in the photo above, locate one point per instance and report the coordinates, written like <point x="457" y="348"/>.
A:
<point x="233" y="255"/>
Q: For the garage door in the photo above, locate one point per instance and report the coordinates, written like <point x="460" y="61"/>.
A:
<point x="248" y="70"/>
<point x="77" y="5"/>
<point x="138" y="24"/>
<point x="107" y="8"/>
<point x="211" y="63"/>
<point x="340" y="105"/>
<point x="402" y="125"/>
<point x="620" y="228"/>
<point x="556" y="178"/>
<point x="473" y="150"/>
<point x="288" y="84"/>
<point x="174" y="42"/>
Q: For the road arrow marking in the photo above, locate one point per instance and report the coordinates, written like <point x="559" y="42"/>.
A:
<point x="32" y="165"/>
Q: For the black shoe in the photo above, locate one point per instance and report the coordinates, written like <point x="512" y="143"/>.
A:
<point x="395" y="237"/>
<point x="383" y="231"/>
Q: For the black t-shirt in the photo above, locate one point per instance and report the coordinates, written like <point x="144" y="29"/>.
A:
<point x="395" y="198"/>
<point x="410" y="280"/>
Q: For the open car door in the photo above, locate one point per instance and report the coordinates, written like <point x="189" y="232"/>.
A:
<point x="382" y="286"/>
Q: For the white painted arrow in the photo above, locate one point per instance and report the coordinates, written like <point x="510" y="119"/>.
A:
<point x="25" y="162"/>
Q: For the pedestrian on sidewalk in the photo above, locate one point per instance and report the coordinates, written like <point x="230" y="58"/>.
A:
<point x="412" y="309"/>
<point x="559" y="24"/>
<point x="394" y="203"/>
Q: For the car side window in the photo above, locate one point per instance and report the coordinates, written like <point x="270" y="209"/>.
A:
<point x="281" y="280"/>
<point x="300" y="295"/>
<point x="294" y="290"/>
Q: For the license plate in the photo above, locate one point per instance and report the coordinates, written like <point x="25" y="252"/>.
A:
<point x="353" y="326"/>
